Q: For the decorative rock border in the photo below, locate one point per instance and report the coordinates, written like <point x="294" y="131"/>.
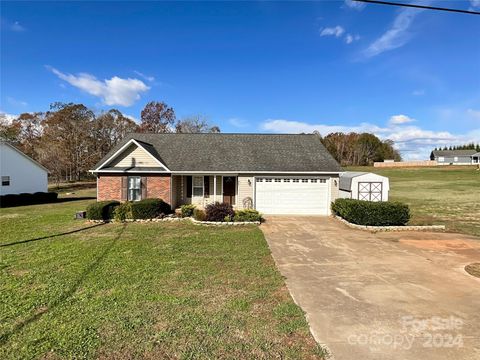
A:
<point x="173" y="219"/>
<point x="219" y="223"/>
<point x="375" y="229"/>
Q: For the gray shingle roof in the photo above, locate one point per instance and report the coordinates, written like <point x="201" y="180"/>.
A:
<point x="453" y="152"/>
<point x="236" y="152"/>
<point x="345" y="182"/>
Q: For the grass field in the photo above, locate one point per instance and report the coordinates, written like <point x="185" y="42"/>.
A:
<point x="437" y="195"/>
<point x="70" y="289"/>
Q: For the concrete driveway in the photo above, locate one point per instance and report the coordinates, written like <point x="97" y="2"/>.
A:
<point x="401" y="295"/>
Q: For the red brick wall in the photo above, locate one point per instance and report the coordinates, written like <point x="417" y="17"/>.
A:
<point x="110" y="187"/>
<point x="159" y="187"/>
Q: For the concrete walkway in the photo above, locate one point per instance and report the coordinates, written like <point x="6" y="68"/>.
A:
<point x="381" y="296"/>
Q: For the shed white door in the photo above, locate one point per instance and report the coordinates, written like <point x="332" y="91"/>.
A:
<point x="275" y="195"/>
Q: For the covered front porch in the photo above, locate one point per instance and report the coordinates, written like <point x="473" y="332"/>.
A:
<point x="203" y="189"/>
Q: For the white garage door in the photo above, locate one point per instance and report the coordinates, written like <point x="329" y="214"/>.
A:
<point x="308" y="195"/>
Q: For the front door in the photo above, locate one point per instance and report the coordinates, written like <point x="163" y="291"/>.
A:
<point x="229" y="185"/>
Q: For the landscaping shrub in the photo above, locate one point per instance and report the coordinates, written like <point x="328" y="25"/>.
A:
<point x="27" y="199"/>
<point x="101" y="210"/>
<point x="123" y="211"/>
<point x="372" y="213"/>
<point x="149" y="208"/>
<point x="219" y="212"/>
<point x="187" y="210"/>
<point x="199" y="215"/>
<point x="247" y="215"/>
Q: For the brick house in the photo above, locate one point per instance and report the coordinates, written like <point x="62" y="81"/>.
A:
<point x="275" y="174"/>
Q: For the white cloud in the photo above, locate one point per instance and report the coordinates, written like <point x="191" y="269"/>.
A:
<point x="474" y="114"/>
<point x="15" y="102"/>
<point x="412" y="141"/>
<point x="237" y="122"/>
<point x="349" y="38"/>
<point x="397" y="35"/>
<point x="475" y="3"/>
<point x="357" y="5"/>
<point x="400" y="119"/>
<point x="131" y="117"/>
<point x="146" y="77"/>
<point x="114" y="91"/>
<point x="418" y="92"/>
<point x="336" y="31"/>
<point x="17" y="27"/>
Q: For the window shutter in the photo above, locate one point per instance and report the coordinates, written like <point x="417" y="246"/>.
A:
<point x="189" y="186"/>
<point x="143" y="186"/>
<point x="206" y="186"/>
<point x="124" y="191"/>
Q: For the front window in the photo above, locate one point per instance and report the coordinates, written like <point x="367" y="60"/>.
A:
<point x="198" y="186"/>
<point x="5" y="180"/>
<point x="134" y="188"/>
<point x="441" y="158"/>
<point x="455" y="158"/>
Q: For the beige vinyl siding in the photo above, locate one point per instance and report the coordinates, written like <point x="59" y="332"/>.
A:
<point x="245" y="191"/>
<point x="134" y="156"/>
<point x="335" y="192"/>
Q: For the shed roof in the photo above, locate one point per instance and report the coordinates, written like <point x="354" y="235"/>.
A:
<point x="346" y="178"/>
<point x="235" y="152"/>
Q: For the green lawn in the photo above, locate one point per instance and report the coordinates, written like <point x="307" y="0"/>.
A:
<point x="437" y="195"/>
<point x="152" y="291"/>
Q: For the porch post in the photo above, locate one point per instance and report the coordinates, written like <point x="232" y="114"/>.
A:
<point x="214" y="188"/>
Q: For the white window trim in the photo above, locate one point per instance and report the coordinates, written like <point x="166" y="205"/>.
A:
<point x="128" y="187"/>
<point x="9" y="180"/>
<point x="203" y="186"/>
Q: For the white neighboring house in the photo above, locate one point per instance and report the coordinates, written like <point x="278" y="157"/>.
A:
<point x="20" y="173"/>
<point x="363" y="186"/>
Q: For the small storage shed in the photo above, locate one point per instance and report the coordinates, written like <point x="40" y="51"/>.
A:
<point x="364" y="186"/>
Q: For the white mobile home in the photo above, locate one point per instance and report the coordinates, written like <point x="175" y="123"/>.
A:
<point x="20" y="173"/>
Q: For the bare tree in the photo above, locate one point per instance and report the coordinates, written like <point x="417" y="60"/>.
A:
<point x="111" y="127"/>
<point x="195" y="124"/>
<point x="69" y="130"/>
<point x="30" y="129"/>
<point x="157" y="117"/>
<point x="8" y="131"/>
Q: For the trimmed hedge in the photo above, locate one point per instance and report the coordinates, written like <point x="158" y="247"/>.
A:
<point x="27" y="199"/>
<point x="187" y="210"/>
<point x="101" y="210"/>
<point x="149" y="208"/>
<point x="383" y="213"/>
<point x="123" y="211"/>
<point x="219" y="212"/>
<point x="247" y="215"/>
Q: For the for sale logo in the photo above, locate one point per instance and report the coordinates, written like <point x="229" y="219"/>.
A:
<point x="434" y="332"/>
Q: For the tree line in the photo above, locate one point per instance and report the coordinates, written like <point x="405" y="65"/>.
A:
<point x="470" y="146"/>
<point x="69" y="139"/>
<point x="354" y="149"/>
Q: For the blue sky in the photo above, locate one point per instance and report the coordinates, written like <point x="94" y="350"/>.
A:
<point x="409" y="75"/>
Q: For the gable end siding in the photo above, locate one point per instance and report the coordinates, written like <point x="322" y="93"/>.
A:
<point x="134" y="156"/>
